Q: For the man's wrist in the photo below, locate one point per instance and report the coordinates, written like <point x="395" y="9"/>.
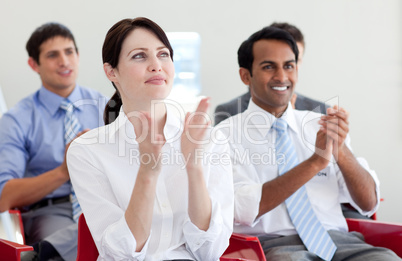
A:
<point x="317" y="162"/>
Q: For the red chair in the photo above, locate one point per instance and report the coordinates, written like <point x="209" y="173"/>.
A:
<point x="244" y="246"/>
<point x="87" y="250"/>
<point x="11" y="250"/>
<point x="381" y="234"/>
<point x="241" y="247"/>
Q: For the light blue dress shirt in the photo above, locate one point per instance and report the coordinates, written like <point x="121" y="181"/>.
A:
<point x="31" y="133"/>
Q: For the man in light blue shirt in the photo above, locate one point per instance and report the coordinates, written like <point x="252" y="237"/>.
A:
<point x="33" y="171"/>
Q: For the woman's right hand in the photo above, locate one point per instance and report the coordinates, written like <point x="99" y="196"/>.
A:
<point x="149" y="143"/>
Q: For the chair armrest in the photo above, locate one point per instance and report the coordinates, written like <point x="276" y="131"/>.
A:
<point x="381" y="234"/>
<point x="243" y="247"/>
<point x="235" y="259"/>
<point x="12" y="251"/>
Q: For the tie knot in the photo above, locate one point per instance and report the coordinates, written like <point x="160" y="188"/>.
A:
<point x="280" y="125"/>
<point x="67" y="105"/>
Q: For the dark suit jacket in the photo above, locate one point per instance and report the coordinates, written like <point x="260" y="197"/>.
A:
<point x="240" y="104"/>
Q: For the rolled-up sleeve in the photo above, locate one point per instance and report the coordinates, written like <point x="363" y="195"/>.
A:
<point x="13" y="155"/>
<point x="211" y="244"/>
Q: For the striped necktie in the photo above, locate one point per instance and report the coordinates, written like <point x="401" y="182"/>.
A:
<point x="311" y="231"/>
<point x="71" y="128"/>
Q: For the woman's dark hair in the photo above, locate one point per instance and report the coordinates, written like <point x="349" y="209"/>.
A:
<point x="44" y="33"/>
<point x="111" y="52"/>
<point x="245" y="55"/>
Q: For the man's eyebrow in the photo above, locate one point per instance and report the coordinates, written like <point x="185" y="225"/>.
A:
<point x="272" y="62"/>
<point x="52" y="51"/>
<point x="265" y="62"/>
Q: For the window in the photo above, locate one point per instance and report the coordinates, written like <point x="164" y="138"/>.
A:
<point x="186" y="48"/>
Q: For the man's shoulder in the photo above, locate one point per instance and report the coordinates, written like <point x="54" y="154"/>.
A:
<point x="232" y="124"/>
<point x="90" y="93"/>
<point x="20" y="116"/>
<point x="306" y="103"/>
<point x="23" y="107"/>
<point x="242" y="98"/>
<point x="232" y="107"/>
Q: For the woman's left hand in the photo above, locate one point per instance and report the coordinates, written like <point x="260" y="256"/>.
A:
<point x="192" y="139"/>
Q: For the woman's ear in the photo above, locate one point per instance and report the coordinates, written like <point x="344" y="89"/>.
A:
<point x="110" y="72"/>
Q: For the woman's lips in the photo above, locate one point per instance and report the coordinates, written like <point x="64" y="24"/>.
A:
<point x="157" y="80"/>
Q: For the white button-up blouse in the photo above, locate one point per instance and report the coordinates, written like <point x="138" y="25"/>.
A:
<point x="103" y="165"/>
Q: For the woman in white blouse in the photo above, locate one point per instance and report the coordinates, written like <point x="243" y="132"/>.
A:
<point x="151" y="186"/>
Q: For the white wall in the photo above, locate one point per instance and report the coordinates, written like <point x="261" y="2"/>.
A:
<point x="354" y="53"/>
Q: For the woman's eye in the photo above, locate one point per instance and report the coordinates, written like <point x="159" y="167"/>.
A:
<point x="138" y="56"/>
<point x="164" y="54"/>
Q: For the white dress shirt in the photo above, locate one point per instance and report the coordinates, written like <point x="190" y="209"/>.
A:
<point x="103" y="166"/>
<point x="252" y="142"/>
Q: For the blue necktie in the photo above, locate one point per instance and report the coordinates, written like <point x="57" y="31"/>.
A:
<point x="71" y="128"/>
<point x="311" y="231"/>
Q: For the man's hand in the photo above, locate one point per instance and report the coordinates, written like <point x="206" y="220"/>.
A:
<point x="336" y="125"/>
<point x="323" y="149"/>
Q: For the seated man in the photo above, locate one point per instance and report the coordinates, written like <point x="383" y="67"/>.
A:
<point x="300" y="102"/>
<point x="34" y="136"/>
<point x="292" y="168"/>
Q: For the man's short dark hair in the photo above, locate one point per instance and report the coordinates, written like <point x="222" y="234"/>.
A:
<point x="44" y="33"/>
<point x="293" y="30"/>
<point x="245" y="55"/>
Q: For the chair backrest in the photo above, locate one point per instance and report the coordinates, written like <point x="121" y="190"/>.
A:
<point x="86" y="250"/>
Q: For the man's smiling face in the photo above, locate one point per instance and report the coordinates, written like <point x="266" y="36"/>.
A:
<point x="274" y="75"/>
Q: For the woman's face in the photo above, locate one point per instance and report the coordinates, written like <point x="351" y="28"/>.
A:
<point x="145" y="71"/>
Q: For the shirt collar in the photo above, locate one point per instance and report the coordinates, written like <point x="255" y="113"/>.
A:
<point x="172" y="130"/>
<point x="264" y="120"/>
<point x="52" y="101"/>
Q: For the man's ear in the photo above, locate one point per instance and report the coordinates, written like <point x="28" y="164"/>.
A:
<point x="245" y="75"/>
<point x="33" y="64"/>
<point x="110" y="73"/>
